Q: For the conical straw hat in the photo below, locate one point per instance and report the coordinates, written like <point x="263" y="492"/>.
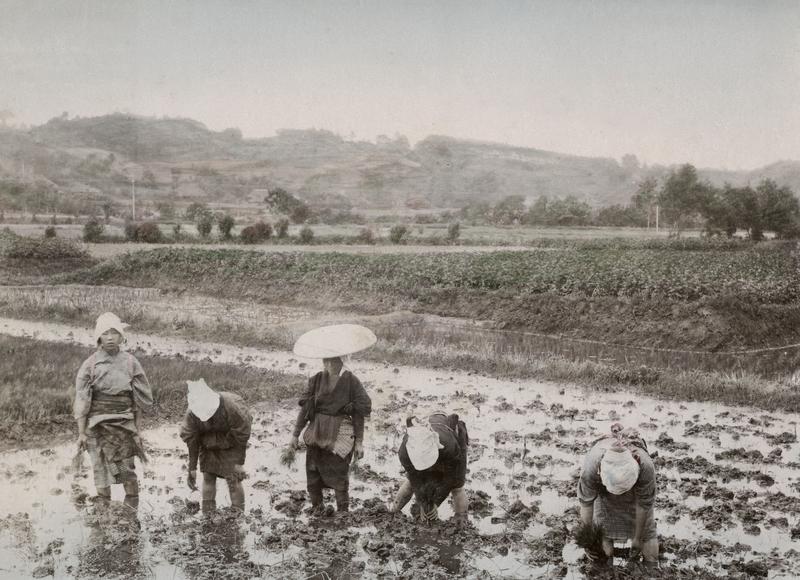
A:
<point x="333" y="341"/>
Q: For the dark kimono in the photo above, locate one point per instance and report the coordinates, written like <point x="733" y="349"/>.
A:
<point x="335" y="420"/>
<point x="221" y="442"/>
<point x="432" y="486"/>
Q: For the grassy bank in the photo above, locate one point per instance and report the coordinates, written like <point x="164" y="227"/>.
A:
<point x="37" y="383"/>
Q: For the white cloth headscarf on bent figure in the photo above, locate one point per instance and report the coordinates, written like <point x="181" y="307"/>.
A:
<point x="619" y="469"/>
<point x="423" y="446"/>
<point x="203" y="400"/>
<point x="108" y="321"/>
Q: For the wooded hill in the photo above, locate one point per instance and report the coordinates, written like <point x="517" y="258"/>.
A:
<point x="181" y="158"/>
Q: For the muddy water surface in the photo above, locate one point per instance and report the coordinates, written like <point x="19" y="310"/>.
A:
<point x="728" y="502"/>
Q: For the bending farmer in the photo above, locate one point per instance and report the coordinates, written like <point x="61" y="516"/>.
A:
<point x="110" y="389"/>
<point x="216" y="430"/>
<point x="617" y="491"/>
<point x="434" y="456"/>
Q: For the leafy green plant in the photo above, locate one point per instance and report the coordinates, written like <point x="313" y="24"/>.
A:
<point x="282" y="228"/>
<point x="306" y="235"/>
<point x="93" y="231"/>
<point x="398" y="233"/>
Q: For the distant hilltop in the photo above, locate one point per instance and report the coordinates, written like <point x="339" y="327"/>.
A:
<point x="183" y="158"/>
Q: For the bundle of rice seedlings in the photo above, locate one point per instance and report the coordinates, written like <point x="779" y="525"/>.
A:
<point x="288" y="456"/>
<point x="590" y="538"/>
<point x="77" y="462"/>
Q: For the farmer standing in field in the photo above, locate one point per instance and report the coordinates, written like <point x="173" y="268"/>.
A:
<point x="434" y="456"/>
<point x="216" y="429"/>
<point x="110" y="390"/>
<point x="332" y="412"/>
<point x="617" y="490"/>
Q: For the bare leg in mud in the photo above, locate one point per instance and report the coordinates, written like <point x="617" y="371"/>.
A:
<point x="650" y="551"/>
<point x="131" y="493"/>
<point x="237" y="494"/>
<point x="342" y="500"/>
<point x="460" y="504"/>
<point x="608" y="547"/>
<point x="209" y="492"/>
<point x="402" y="497"/>
<point x="315" y="495"/>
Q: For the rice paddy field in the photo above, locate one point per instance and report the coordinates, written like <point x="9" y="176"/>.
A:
<point x="538" y="350"/>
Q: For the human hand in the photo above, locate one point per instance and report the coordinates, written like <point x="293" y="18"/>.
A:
<point x="294" y="443"/>
<point x="636" y="548"/>
<point x="191" y="479"/>
<point x="239" y="473"/>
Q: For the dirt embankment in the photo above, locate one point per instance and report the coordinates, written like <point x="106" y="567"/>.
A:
<point x="709" y="324"/>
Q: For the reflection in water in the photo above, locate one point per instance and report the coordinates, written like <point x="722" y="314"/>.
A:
<point x="204" y="544"/>
<point x="527" y="438"/>
<point x="113" y="547"/>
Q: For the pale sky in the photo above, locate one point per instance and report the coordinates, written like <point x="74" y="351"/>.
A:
<point x="714" y="83"/>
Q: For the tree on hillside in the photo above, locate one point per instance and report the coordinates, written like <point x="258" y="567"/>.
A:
<point x="509" y="210"/>
<point x="682" y="196"/>
<point x="194" y="209"/>
<point x="725" y="209"/>
<point x="225" y="224"/>
<point x="282" y="228"/>
<point x="205" y="221"/>
<point x="281" y="202"/>
<point x="646" y="196"/>
<point x="300" y="213"/>
<point x="537" y="214"/>
<point x="109" y="208"/>
<point x="780" y="208"/>
<point x="767" y="207"/>
<point x="569" y="211"/>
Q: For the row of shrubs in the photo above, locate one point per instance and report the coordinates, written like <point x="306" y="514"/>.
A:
<point x="260" y="232"/>
<point x="16" y="247"/>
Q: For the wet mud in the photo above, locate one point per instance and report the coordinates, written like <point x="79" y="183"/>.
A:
<point x="727" y="505"/>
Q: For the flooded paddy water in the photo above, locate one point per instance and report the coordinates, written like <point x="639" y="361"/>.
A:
<point x="728" y="502"/>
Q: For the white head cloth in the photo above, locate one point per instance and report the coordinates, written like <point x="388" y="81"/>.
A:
<point x="619" y="470"/>
<point x="423" y="446"/>
<point x="203" y="400"/>
<point x="108" y="321"/>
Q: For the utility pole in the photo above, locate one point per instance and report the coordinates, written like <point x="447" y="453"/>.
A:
<point x="133" y="200"/>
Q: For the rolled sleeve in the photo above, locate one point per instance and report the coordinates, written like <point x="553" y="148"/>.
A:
<point x="589" y="482"/>
<point x="645" y="488"/>
<point x="83" y="392"/>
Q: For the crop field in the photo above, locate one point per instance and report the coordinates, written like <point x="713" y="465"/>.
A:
<point x="752" y="275"/>
<point x="539" y="350"/>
